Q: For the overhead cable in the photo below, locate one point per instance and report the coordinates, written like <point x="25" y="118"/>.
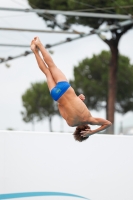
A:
<point x="95" y="31"/>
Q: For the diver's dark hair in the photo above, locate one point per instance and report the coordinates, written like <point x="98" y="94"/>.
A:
<point x="77" y="133"/>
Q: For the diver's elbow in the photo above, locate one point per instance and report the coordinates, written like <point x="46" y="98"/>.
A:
<point x="109" y="124"/>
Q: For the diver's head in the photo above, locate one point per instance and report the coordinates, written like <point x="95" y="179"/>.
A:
<point x="77" y="134"/>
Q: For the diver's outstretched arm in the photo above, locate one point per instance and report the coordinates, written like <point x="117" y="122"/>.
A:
<point x="104" y="124"/>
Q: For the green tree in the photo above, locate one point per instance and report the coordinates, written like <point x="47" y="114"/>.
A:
<point x="97" y="6"/>
<point x="38" y="104"/>
<point x="91" y="79"/>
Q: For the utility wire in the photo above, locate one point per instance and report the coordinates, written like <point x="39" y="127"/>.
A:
<point x="54" y="20"/>
<point x="18" y="3"/>
<point x="95" y="31"/>
<point x="88" y="9"/>
<point x="86" y="4"/>
<point x="105" y="8"/>
<point x="5" y="36"/>
<point x="22" y="34"/>
<point x="50" y="17"/>
<point x="120" y="7"/>
<point x="9" y="36"/>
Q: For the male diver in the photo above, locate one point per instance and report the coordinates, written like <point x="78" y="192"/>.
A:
<point x="71" y="106"/>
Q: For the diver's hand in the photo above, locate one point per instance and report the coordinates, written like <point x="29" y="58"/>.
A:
<point x="82" y="97"/>
<point x="86" y="133"/>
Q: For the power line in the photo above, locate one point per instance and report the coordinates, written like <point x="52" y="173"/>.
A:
<point x="119" y="7"/>
<point x="18" y="3"/>
<point x="9" y="36"/>
<point x="22" y="34"/>
<point x="93" y="8"/>
<point x="103" y="9"/>
<point x="51" y="18"/>
<point x="86" y="4"/>
<point x="97" y="31"/>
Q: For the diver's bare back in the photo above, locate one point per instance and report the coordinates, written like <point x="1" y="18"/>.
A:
<point x="73" y="109"/>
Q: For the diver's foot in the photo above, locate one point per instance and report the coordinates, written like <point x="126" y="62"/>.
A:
<point x="37" y="41"/>
<point x="33" y="47"/>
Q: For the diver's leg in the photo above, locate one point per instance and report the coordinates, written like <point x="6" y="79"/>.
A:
<point x="56" y="72"/>
<point x="42" y="65"/>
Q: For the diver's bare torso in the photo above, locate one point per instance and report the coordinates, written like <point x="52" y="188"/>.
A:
<point x="72" y="109"/>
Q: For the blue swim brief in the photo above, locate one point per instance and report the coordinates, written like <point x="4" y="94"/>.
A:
<point x="60" y="88"/>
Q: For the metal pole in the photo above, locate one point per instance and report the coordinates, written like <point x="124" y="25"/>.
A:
<point x="14" y="45"/>
<point x="69" y="13"/>
<point x="41" y="31"/>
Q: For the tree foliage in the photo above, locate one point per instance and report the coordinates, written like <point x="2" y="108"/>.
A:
<point x="97" y="6"/>
<point x="38" y="103"/>
<point x="91" y="79"/>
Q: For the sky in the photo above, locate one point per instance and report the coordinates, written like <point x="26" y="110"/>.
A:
<point x="16" y="79"/>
